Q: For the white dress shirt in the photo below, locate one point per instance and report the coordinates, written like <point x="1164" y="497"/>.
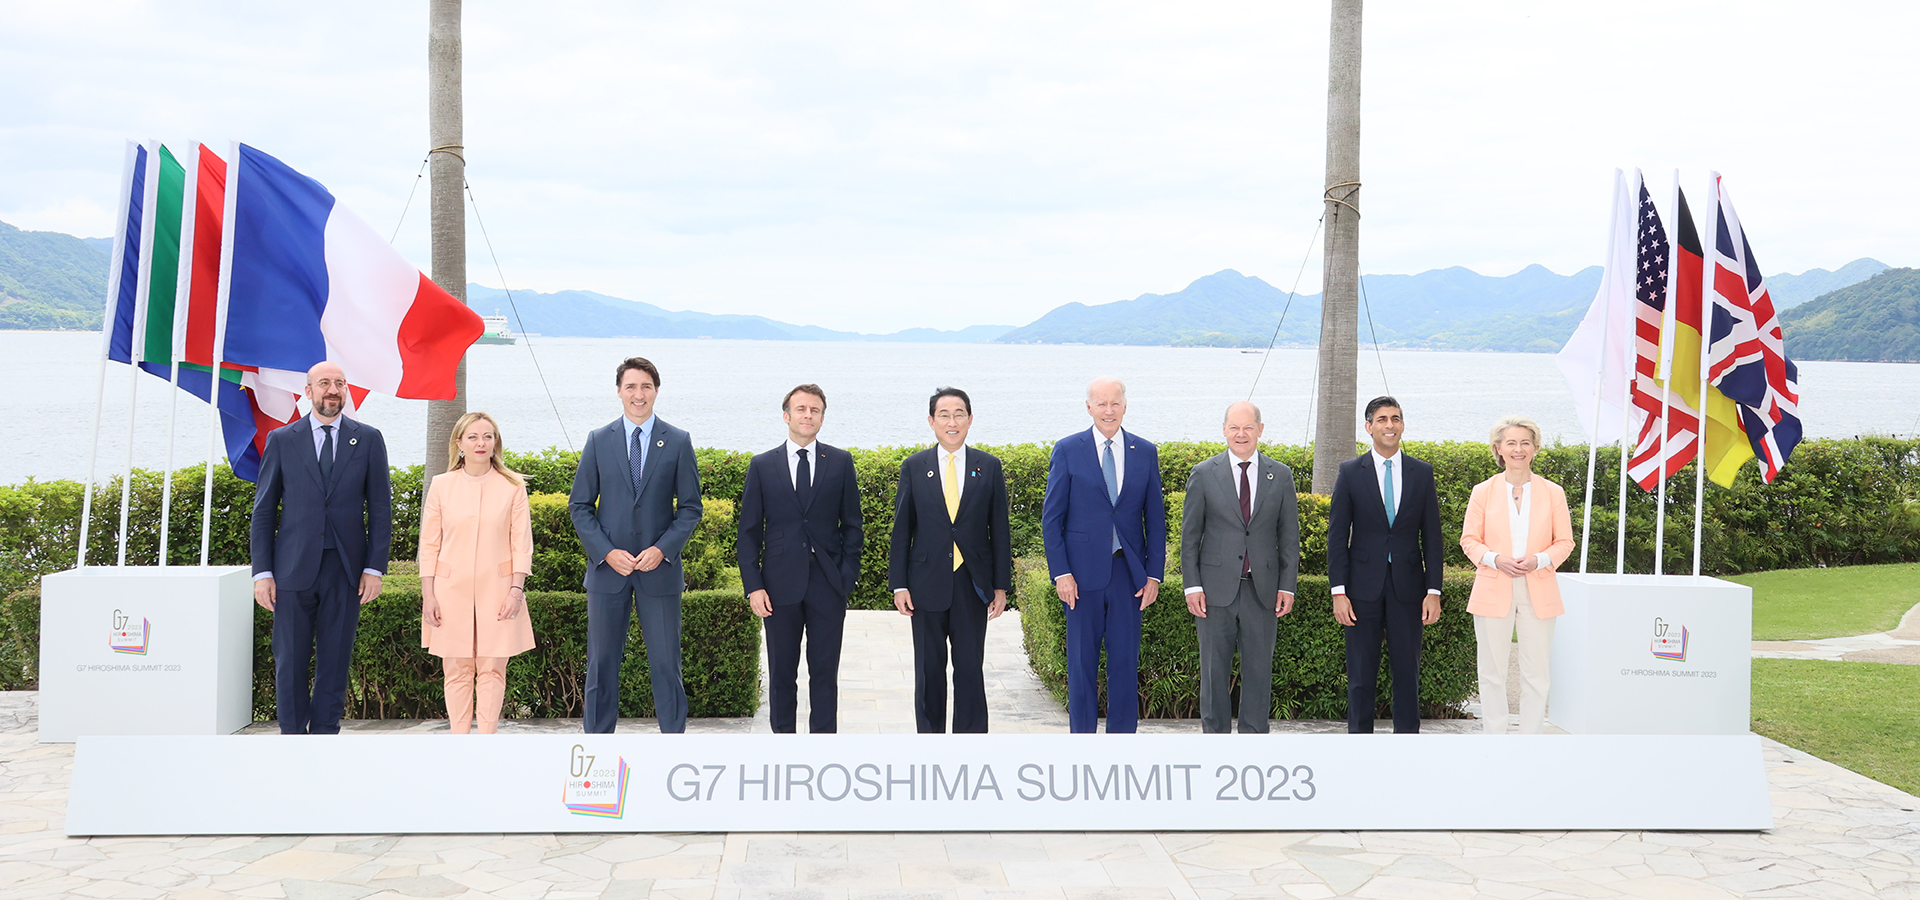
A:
<point x="1119" y="455"/>
<point x="1519" y="517"/>
<point x="319" y="444"/>
<point x="1390" y="502"/>
<point x="793" y="462"/>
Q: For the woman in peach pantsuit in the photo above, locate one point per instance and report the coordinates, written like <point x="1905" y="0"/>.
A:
<point x="476" y="548"/>
<point x="1518" y="530"/>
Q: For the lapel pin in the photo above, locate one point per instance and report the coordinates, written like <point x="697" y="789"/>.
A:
<point x="660" y="443"/>
<point x="1269" y="476"/>
<point x="929" y="473"/>
<point x="352" y="441"/>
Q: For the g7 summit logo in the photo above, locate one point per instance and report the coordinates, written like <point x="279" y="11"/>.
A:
<point x="127" y="637"/>
<point x="1666" y="644"/>
<point x="594" y="788"/>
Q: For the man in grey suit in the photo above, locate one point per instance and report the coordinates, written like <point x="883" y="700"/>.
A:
<point x="635" y="501"/>
<point x="1240" y="555"/>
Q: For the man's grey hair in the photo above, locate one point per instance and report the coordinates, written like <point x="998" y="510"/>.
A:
<point x="1107" y="380"/>
<point x="1246" y="403"/>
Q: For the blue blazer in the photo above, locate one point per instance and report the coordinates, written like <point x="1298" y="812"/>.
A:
<point x="778" y="537"/>
<point x="1359" y="540"/>
<point x="607" y="513"/>
<point x="294" y="511"/>
<point x="920" y="557"/>
<point x="1077" y="521"/>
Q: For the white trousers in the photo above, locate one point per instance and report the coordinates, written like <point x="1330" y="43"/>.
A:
<point x="1495" y="639"/>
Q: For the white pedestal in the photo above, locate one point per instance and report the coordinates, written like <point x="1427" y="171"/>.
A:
<point x="1640" y="654"/>
<point x="145" y="650"/>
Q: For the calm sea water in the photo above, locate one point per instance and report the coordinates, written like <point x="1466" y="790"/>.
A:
<point x="727" y="393"/>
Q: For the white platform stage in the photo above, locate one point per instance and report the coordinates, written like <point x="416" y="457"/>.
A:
<point x="411" y="784"/>
<point x="1645" y="654"/>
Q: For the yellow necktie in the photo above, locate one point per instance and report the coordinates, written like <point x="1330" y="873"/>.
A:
<point x="951" y="487"/>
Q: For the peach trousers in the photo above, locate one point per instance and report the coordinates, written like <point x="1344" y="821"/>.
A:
<point x="489" y="673"/>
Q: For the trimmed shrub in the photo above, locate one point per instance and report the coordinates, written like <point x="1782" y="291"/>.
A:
<point x="1309" y="655"/>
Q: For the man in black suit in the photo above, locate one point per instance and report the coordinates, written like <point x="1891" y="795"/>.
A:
<point x="322" y="523"/>
<point x="1383" y="560"/>
<point x="635" y="501"/>
<point x="951" y="564"/>
<point x="799" y="552"/>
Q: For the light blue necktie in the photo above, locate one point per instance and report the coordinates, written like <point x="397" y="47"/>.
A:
<point x="1113" y="484"/>
<point x="1388" y="497"/>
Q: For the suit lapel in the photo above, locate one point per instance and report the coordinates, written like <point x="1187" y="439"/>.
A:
<point x="971" y="485"/>
<point x="1268" y="474"/>
<point x="346" y="445"/>
<point x="1229" y="479"/>
<point x="1371" y="478"/>
<point x="308" y="459"/>
<point x="651" y="460"/>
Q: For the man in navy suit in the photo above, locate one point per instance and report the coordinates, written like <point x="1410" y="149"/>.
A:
<point x="635" y="501"/>
<point x="950" y="564"/>
<point x="1104" y="524"/>
<point x="1383" y="559"/>
<point x="799" y="552"/>
<point x="322" y="523"/>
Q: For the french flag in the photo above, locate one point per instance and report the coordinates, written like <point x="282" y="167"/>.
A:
<point x="307" y="280"/>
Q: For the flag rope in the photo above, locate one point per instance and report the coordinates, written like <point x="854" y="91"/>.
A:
<point x="1304" y="259"/>
<point x="475" y="204"/>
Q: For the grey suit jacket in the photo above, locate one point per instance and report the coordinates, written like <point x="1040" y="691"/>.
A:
<point x="1214" y="541"/>
<point x="607" y="513"/>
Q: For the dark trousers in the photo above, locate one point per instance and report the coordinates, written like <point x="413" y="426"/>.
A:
<point x="607" y="617"/>
<point x="1110" y="615"/>
<point x="963" y="625"/>
<point x="1249" y="626"/>
<point x="315" y="627"/>
<point x="821" y="616"/>
<point x="1398" y="618"/>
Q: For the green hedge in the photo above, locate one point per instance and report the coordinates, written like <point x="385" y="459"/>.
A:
<point x="1309" y="654"/>
<point x="392" y="677"/>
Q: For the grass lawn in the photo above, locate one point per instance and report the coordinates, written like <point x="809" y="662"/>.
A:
<point x="1797" y="604"/>
<point x="1864" y="716"/>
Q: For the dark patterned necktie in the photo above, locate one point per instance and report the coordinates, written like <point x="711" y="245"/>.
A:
<point x="634" y="454"/>
<point x="803" y="481"/>
<point x="1246" y="514"/>
<point x="326" y="455"/>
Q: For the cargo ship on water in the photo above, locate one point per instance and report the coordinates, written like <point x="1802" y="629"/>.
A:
<point x="497" y="331"/>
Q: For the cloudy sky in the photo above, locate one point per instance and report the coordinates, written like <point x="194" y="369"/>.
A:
<point x="880" y="165"/>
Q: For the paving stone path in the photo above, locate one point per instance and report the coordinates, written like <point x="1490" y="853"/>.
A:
<point x="1837" y="835"/>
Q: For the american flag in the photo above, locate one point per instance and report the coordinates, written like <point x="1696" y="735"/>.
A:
<point x="1747" y="359"/>
<point x="1682" y="424"/>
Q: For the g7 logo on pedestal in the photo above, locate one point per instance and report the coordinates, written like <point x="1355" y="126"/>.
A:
<point x="1666" y="644"/>
<point x="592" y="791"/>
<point x="127" y="637"/>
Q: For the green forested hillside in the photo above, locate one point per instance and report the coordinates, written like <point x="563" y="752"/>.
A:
<point x="1877" y="320"/>
<point x="50" y="281"/>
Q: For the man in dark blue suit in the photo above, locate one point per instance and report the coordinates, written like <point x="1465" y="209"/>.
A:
<point x="799" y="551"/>
<point x="950" y="564"/>
<point x="1104" y="524"/>
<point x="1383" y="560"/>
<point x="322" y="523"/>
<point x="635" y="501"/>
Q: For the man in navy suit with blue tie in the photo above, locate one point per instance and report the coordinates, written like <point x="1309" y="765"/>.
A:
<point x="799" y="551"/>
<point x="1104" y="523"/>
<point x="1383" y="560"/>
<point x="635" y="502"/>
<point x="322" y="523"/>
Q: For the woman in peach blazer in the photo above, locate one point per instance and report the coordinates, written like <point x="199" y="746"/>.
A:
<point x="476" y="548"/>
<point x="1518" y="530"/>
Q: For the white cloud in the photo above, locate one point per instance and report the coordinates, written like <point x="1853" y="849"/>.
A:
<point x="878" y="165"/>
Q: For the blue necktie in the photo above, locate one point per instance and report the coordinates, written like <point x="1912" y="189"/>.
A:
<point x="1113" y="485"/>
<point x="1387" y="498"/>
<point x="633" y="459"/>
<point x="326" y="456"/>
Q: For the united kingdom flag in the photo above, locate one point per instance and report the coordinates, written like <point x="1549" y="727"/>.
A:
<point x="1747" y="358"/>
<point x="1681" y="423"/>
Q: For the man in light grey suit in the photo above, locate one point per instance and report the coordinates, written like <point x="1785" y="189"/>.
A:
<point x="635" y="501"/>
<point x="1240" y="556"/>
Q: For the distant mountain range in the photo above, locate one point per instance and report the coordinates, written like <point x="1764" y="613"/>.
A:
<point x="52" y="281"/>
<point x="1877" y="320"/>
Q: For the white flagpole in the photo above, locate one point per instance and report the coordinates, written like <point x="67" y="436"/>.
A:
<point x="1629" y="370"/>
<point x="1706" y="338"/>
<point x="219" y="340"/>
<point x="177" y="342"/>
<point x="1665" y="372"/>
<point x="142" y="276"/>
<point x="106" y="343"/>
<point x="1600" y="377"/>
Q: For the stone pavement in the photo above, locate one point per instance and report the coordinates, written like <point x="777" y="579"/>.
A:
<point x="1901" y="645"/>
<point x="1837" y="835"/>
